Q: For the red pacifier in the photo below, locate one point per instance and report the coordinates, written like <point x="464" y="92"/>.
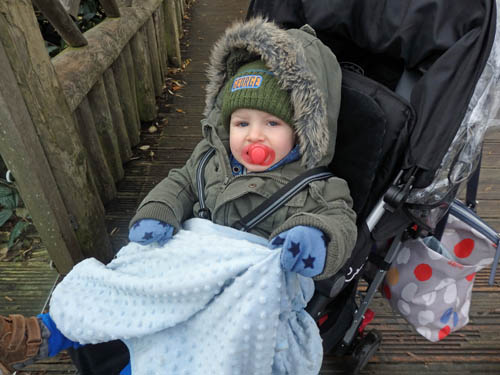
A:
<point x="259" y="154"/>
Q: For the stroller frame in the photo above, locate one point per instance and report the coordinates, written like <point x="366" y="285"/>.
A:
<point x="390" y="205"/>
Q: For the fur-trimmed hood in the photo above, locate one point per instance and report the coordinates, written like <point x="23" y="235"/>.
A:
<point x="303" y="65"/>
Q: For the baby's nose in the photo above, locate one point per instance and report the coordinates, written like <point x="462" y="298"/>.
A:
<point x="255" y="133"/>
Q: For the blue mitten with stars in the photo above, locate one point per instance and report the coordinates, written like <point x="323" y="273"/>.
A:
<point x="147" y="231"/>
<point x="304" y="250"/>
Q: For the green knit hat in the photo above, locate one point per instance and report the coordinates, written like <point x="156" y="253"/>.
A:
<point x="255" y="87"/>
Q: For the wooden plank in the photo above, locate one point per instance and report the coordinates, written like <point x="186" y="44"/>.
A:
<point x="117" y="116"/>
<point x="493" y="132"/>
<point x="145" y="91"/>
<point x="100" y="169"/>
<point x="489" y="184"/>
<point x="104" y="124"/>
<point x="152" y="47"/>
<point x="25" y="286"/>
<point x="491" y="155"/>
<point x="127" y="99"/>
<point x="173" y="45"/>
<point x="57" y="135"/>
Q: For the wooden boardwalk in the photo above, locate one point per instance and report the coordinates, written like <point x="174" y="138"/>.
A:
<point x="475" y="349"/>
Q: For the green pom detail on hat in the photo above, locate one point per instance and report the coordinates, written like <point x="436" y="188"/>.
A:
<point x="255" y="87"/>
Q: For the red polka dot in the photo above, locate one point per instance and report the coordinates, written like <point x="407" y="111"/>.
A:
<point x="443" y="332"/>
<point x="423" y="272"/>
<point x="387" y="291"/>
<point x="470" y="277"/>
<point x="464" y="248"/>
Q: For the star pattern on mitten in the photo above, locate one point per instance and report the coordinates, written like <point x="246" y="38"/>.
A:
<point x="136" y="225"/>
<point x="308" y="262"/>
<point x="147" y="236"/>
<point x="294" y="248"/>
<point x="303" y="250"/>
<point x="278" y="241"/>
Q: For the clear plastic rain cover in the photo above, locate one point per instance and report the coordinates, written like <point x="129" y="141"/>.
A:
<point x="464" y="153"/>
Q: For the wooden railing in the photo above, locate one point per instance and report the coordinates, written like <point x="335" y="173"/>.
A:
<point x="68" y="124"/>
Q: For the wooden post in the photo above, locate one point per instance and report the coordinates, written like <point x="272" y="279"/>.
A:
<point x="159" y="22"/>
<point x="34" y="176"/>
<point x="103" y="178"/>
<point x="173" y="45"/>
<point x="117" y="116"/>
<point x="110" y="8"/>
<point x="146" y="102"/>
<point x="179" y="10"/>
<point x="56" y="134"/>
<point x="127" y="100"/>
<point x="104" y="124"/>
<point x="54" y="11"/>
<point x="152" y="46"/>
<point x="129" y="62"/>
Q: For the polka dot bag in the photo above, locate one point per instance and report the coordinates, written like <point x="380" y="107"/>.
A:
<point x="430" y="282"/>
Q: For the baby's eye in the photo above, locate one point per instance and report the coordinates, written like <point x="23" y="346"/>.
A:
<point x="240" y="124"/>
<point x="273" y="123"/>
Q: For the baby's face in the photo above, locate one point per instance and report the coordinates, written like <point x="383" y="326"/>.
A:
<point x="249" y="127"/>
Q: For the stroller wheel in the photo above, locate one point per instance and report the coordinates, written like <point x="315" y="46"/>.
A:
<point x="364" y="350"/>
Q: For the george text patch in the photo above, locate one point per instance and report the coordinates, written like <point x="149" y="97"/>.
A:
<point x="247" y="82"/>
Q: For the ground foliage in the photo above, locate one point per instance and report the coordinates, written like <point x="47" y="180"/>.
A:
<point x="89" y="15"/>
<point x="18" y="237"/>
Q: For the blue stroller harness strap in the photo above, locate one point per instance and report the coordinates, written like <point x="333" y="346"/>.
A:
<point x="465" y="214"/>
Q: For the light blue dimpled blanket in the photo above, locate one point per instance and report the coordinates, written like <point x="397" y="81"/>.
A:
<point x="212" y="300"/>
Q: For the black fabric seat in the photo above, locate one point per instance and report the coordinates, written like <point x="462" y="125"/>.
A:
<point x="373" y="134"/>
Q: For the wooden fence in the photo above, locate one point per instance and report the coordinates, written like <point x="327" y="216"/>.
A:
<point x="68" y="124"/>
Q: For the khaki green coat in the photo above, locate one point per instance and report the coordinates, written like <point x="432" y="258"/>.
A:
<point x="311" y="73"/>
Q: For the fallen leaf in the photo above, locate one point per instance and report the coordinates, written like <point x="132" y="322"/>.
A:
<point x="9" y="299"/>
<point x="180" y="110"/>
<point x="144" y="147"/>
<point x="152" y="129"/>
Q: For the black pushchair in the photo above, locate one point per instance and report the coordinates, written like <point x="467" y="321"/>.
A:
<point x="417" y="95"/>
<point x="413" y="72"/>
